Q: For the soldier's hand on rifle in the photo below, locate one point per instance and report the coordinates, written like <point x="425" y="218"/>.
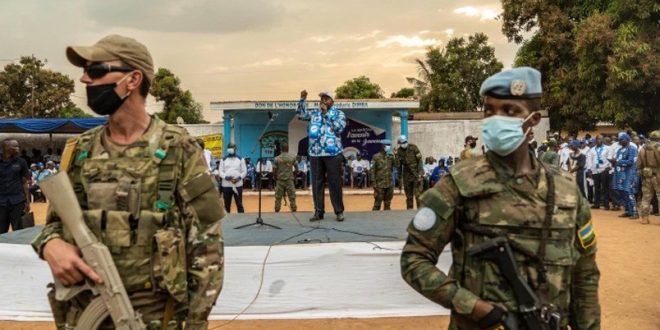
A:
<point x="66" y="263"/>
<point x="303" y="94"/>
<point x="481" y="309"/>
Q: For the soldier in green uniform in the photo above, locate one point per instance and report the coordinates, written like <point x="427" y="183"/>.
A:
<point x="410" y="170"/>
<point x="381" y="171"/>
<point x="551" y="156"/>
<point x="648" y="162"/>
<point x="509" y="195"/>
<point x="284" y="169"/>
<point x="144" y="188"/>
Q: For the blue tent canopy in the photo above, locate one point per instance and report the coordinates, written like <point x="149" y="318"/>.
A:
<point x="50" y="125"/>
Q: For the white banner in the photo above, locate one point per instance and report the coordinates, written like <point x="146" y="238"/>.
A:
<point x="303" y="281"/>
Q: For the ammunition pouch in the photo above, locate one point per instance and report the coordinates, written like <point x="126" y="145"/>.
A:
<point x="647" y="172"/>
<point x="168" y="263"/>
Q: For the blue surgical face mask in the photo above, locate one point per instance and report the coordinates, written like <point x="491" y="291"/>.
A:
<point x="504" y="134"/>
<point x="387" y="149"/>
<point x="230" y="151"/>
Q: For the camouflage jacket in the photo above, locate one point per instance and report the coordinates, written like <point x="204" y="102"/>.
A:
<point x="649" y="157"/>
<point x="155" y="205"/>
<point x="480" y="199"/>
<point x="409" y="163"/>
<point x="284" y="166"/>
<point x="550" y="157"/>
<point x="381" y="170"/>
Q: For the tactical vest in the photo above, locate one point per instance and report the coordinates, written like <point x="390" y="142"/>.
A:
<point x="128" y="202"/>
<point x="491" y="208"/>
<point x="649" y="159"/>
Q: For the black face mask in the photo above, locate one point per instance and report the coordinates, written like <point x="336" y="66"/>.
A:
<point x="473" y="145"/>
<point x="103" y="99"/>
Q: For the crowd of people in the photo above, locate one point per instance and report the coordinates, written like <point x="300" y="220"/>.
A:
<point x="609" y="170"/>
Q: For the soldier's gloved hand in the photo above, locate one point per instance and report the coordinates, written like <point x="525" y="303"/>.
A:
<point x="66" y="264"/>
<point x="498" y="319"/>
<point x="228" y="178"/>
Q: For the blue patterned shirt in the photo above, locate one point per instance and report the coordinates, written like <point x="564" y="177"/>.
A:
<point x="324" y="131"/>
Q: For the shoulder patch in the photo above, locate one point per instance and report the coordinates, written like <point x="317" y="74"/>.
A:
<point x="587" y="235"/>
<point x="424" y="219"/>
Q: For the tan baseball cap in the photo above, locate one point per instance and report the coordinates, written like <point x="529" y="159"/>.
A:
<point x="114" y="47"/>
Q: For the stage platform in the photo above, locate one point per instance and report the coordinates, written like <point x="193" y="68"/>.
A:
<point x="358" y="227"/>
<point x="325" y="269"/>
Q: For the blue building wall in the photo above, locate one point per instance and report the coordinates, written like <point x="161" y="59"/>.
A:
<point x="248" y="125"/>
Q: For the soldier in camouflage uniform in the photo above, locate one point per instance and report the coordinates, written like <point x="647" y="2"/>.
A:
<point x="284" y="168"/>
<point x="648" y="162"/>
<point x="410" y="170"/>
<point x="146" y="193"/>
<point x="381" y="171"/>
<point x="551" y="156"/>
<point x="506" y="193"/>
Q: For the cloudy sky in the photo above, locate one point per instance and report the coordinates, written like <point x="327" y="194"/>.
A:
<point x="226" y="50"/>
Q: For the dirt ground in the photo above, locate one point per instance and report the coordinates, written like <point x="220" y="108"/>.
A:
<point x="628" y="258"/>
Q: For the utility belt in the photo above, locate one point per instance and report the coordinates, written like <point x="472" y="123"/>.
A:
<point x="648" y="172"/>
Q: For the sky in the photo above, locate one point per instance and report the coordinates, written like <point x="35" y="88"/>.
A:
<point x="227" y="50"/>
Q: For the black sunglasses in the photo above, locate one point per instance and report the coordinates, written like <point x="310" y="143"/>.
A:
<point x="96" y="71"/>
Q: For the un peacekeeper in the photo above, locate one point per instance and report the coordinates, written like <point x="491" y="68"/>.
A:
<point x="383" y="163"/>
<point x="551" y="156"/>
<point x="410" y="170"/>
<point x="144" y="187"/>
<point x="506" y="193"/>
<point x="648" y="162"/>
<point x="284" y="167"/>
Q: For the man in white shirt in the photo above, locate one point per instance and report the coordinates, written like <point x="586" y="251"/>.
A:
<point x="612" y="149"/>
<point x="564" y="156"/>
<point x="208" y="156"/>
<point x="264" y="171"/>
<point x="232" y="170"/>
<point x="598" y="167"/>
<point x="360" y="168"/>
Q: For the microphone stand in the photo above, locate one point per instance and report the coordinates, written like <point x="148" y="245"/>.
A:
<point x="260" y="221"/>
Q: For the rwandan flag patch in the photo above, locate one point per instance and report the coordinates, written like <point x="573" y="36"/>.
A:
<point x="587" y="235"/>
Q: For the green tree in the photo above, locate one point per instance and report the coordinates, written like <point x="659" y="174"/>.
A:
<point x="450" y="78"/>
<point x="73" y="112"/>
<point x="28" y="89"/>
<point x="404" y="93"/>
<point x="598" y="59"/>
<point x="359" y="88"/>
<point x="178" y="102"/>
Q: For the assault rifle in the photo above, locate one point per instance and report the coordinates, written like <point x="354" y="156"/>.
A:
<point x="111" y="297"/>
<point x="531" y="314"/>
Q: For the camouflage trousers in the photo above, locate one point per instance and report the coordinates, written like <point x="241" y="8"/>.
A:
<point x="285" y="187"/>
<point x="412" y="188"/>
<point x="383" y="195"/>
<point x="650" y="187"/>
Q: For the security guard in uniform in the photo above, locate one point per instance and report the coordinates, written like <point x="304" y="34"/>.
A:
<point x="410" y="170"/>
<point x="507" y="195"/>
<point x="144" y="188"/>
<point x="381" y="171"/>
<point x="648" y="162"/>
<point x="284" y="168"/>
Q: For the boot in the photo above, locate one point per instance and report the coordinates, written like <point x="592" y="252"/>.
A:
<point x="645" y="220"/>
<point x="634" y="216"/>
<point x="316" y="217"/>
<point x="624" y="215"/>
